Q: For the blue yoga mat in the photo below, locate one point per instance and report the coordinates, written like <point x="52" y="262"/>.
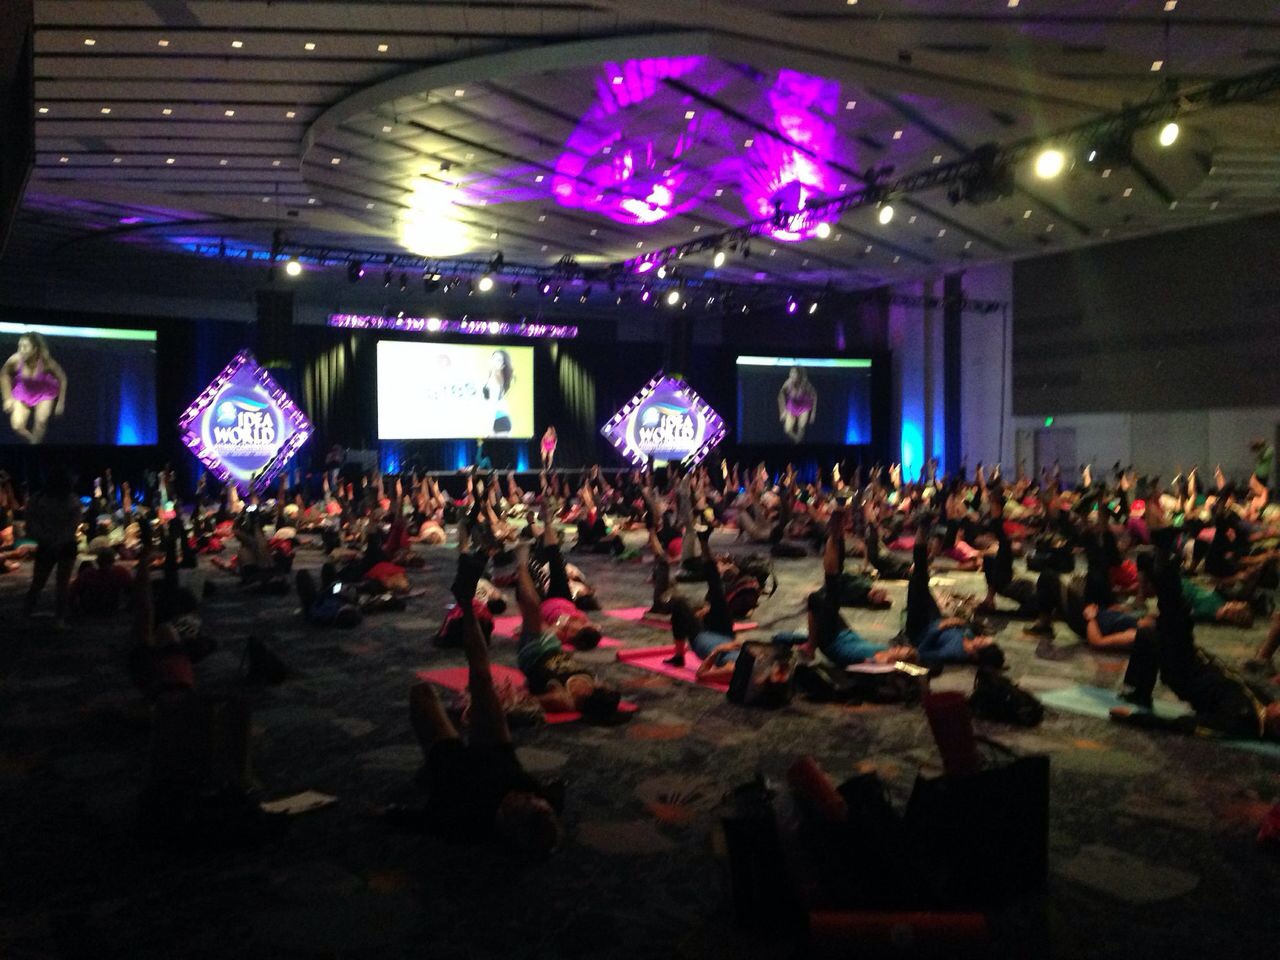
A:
<point x="1097" y="702"/>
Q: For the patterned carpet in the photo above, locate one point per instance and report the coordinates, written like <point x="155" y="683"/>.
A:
<point x="1151" y="839"/>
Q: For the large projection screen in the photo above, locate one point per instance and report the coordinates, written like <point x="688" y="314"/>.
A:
<point x="438" y="391"/>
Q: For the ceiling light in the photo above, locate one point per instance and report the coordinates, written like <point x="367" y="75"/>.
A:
<point x="673" y="297"/>
<point x="223" y="163"/>
<point x="275" y="163"/>
<point x="311" y="200"/>
<point x="942" y="233"/>
<point x="89" y="41"/>
<point x="237" y="44"/>
<point x="355" y="271"/>
<point x="662" y="272"/>
<point x="228" y="113"/>
<point x="897" y="134"/>
<point x="293" y="268"/>
<point x="383" y="48"/>
<point x="1128" y="191"/>
<point x="1013" y="3"/>
<point x="116" y="160"/>
<point x="1169" y="133"/>
<point x="167" y="111"/>
<point x="539" y="178"/>
<point x="792" y="306"/>
<point x="368" y="206"/>
<point x="616" y="81"/>
<point x="718" y="259"/>
<point x="850" y="104"/>
<point x="106" y="110"/>
<point x="968" y="244"/>
<point x="1050" y="163"/>
<point x="44" y="109"/>
<point x="62" y="159"/>
<point x="822" y="230"/>
<point x="333" y="162"/>
<point x="308" y="46"/>
<point x="459" y="92"/>
<point x="813" y="308"/>
<point x="290" y="114"/>
<point x="162" y="43"/>
<point x="485" y="284"/>
<point x="169" y="160"/>
<point x="1170" y="5"/>
<point x="689" y="114"/>
<point x="911" y="219"/>
<point x="1157" y="65"/>
<point x="1026" y="215"/>
<point x="885" y="214"/>
<point x="937" y="158"/>
<point x="748" y="143"/>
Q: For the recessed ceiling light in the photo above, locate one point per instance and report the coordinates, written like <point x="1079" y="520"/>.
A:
<point x="383" y="48"/>
<point x="266" y="199"/>
<point x="748" y="143"/>
<point x="897" y="134"/>
<point x="851" y="3"/>
<point x="469" y="156"/>
<point x="386" y="129"/>
<point x="290" y="114"/>
<point x="896" y="258"/>
<point x="237" y="44"/>
<point x="1049" y="228"/>
<point x="334" y="161"/>
<point x="63" y="159"/>
<point x="937" y="158"/>
<point x="607" y="150"/>
<point x="311" y="199"/>
<point x="539" y="178"/>
<point x="167" y="111"/>
<point x="162" y="43"/>
<point x="544" y="248"/>
<point x="616" y="80"/>
<point x="942" y="232"/>
<point x="639" y="244"/>
<point x="115" y="160"/>
<point x="697" y="228"/>
<point x="459" y="92"/>
<point x="1157" y="65"/>
<point x="275" y="163"/>
<point x="689" y="114"/>
<point x="1128" y="191"/>
<point x="228" y="113"/>
<point x="968" y="244"/>
<point x="1026" y="215"/>
<point x="1213" y="205"/>
<point x="89" y="41"/>
<point x="720" y="193"/>
<point x="1013" y="3"/>
<point x="169" y="160"/>
<point x="542" y="218"/>
<point x="850" y="104"/>
<point x="868" y="249"/>
<point x="1170" y="5"/>
<point x="368" y="206"/>
<point x="911" y="219"/>
<point x="308" y="46"/>
<point x="106" y="110"/>
<point x="44" y="109"/>
<point x="594" y="231"/>
<point x="223" y="163"/>
<point x="1106" y="173"/>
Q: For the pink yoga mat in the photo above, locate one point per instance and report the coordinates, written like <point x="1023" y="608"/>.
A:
<point x="510" y="627"/>
<point x="638" y="615"/>
<point x="455" y="678"/>
<point x="650" y="658"/>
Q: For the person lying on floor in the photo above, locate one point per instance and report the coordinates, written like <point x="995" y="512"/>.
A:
<point x="476" y="788"/>
<point x="827" y="630"/>
<point x="708" y="631"/>
<point x="560" y="683"/>
<point x="941" y="640"/>
<point x="1224" y="702"/>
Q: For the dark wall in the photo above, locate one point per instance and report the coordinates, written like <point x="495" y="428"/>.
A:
<point x="1174" y="322"/>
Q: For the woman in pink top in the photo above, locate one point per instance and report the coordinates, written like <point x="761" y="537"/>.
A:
<point x="548" y="447"/>
<point x="33" y="387"/>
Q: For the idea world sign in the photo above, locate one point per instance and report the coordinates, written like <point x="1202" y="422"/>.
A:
<point x="665" y="421"/>
<point x="244" y="427"/>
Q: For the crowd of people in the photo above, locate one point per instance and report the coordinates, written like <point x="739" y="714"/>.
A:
<point x="1128" y="564"/>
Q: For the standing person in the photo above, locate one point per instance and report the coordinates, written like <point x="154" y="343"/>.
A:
<point x="502" y="374"/>
<point x="33" y="387"/>
<point x="53" y="521"/>
<point x="1265" y="465"/>
<point x="797" y="404"/>
<point x="333" y="462"/>
<point x="548" y="447"/>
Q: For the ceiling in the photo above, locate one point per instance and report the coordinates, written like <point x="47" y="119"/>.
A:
<point x="604" y="129"/>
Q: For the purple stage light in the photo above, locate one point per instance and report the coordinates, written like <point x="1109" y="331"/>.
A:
<point x="243" y="426"/>
<point x="666" y="420"/>
<point x="473" y="328"/>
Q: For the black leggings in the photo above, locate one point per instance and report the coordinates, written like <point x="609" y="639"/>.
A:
<point x="686" y="624"/>
<point x="922" y="609"/>
<point x="1062" y="598"/>
<point x="557" y="574"/>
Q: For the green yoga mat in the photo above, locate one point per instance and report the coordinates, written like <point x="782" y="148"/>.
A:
<point x="1097" y="702"/>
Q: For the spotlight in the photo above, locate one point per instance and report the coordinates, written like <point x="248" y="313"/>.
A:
<point x="485" y="284"/>
<point x="293" y="268"/>
<point x="1050" y="163"/>
<point x="586" y="295"/>
<point x="645" y="294"/>
<point x="355" y="271"/>
<point x="885" y="214"/>
<point x="823" y="231"/>
<point x="431" y="283"/>
<point x="1169" y="133"/>
<point x="718" y="259"/>
<point x="813" y="308"/>
<point x="673" y="297"/>
<point x="662" y="272"/>
<point x="792" y="305"/>
<point x="544" y="286"/>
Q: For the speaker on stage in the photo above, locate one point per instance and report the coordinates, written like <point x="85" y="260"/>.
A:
<point x="274" y="340"/>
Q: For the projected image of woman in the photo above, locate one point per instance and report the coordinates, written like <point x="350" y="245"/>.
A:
<point x="33" y="387"/>
<point x="501" y="375"/>
<point x="797" y="404"/>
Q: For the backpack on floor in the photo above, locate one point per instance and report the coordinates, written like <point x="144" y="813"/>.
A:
<point x="996" y="697"/>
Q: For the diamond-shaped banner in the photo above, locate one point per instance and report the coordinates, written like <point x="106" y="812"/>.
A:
<point x="243" y="426"/>
<point x="666" y="420"/>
